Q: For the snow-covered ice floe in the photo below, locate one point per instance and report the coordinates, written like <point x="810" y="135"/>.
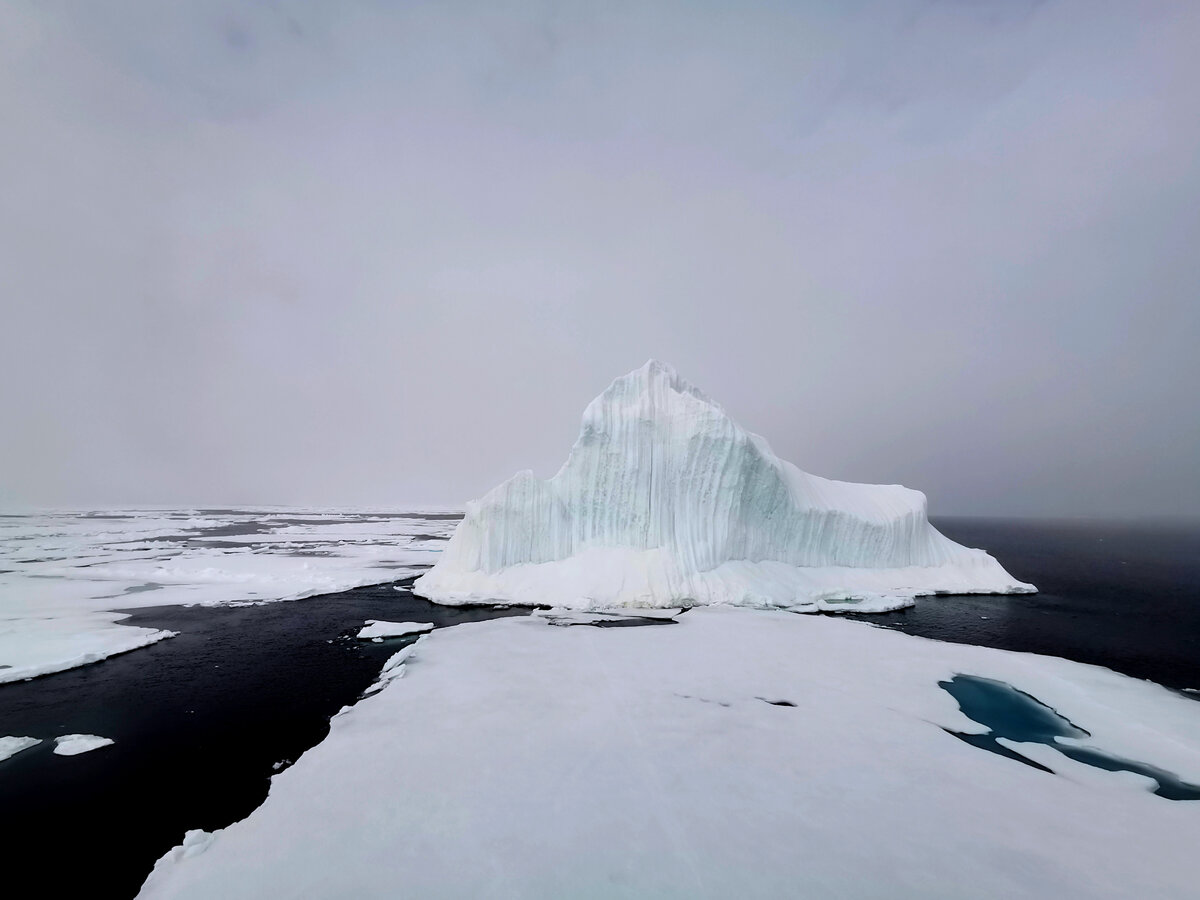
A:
<point x="736" y="753"/>
<point x="63" y="573"/>
<point x="666" y="501"/>
<point x="74" y="744"/>
<point x="11" y="746"/>
<point x="376" y="629"/>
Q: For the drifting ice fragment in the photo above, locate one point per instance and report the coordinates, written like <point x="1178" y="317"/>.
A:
<point x="11" y="746"/>
<point x="74" y="744"/>
<point x="376" y="629"/>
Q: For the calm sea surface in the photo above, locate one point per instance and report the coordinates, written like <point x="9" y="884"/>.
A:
<point x="1117" y="594"/>
<point x="203" y="720"/>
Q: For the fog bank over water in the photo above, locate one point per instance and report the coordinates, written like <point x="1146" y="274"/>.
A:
<point x="384" y="253"/>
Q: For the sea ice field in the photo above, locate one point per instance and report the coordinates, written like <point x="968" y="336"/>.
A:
<point x="63" y="573"/>
<point x="681" y="753"/>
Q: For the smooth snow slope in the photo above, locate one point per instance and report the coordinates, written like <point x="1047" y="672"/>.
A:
<point x="520" y="760"/>
<point x="665" y="500"/>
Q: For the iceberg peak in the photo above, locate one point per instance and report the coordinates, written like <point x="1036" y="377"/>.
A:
<point x="664" y="501"/>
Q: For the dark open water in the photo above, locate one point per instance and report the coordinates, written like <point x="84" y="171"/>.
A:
<point x="200" y="720"/>
<point x="1117" y="594"/>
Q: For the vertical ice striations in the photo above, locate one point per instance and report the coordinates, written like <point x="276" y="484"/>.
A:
<point x="665" y="500"/>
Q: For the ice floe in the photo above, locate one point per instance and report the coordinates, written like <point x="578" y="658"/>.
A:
<point x="11" y="746"/>
<point x="377" y="629"/>
<point x="736" y="753"/>
<point x="74" y="744"/>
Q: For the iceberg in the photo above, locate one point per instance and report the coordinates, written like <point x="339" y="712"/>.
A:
<point x="665" y="501"/>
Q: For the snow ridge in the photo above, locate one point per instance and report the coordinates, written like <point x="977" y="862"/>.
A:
<point x="665" y="500"/>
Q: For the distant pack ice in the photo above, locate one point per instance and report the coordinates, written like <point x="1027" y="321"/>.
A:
<point x="666" y="501"/>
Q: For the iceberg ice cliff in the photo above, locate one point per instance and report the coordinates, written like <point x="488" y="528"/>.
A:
<point x="666" y="501"/>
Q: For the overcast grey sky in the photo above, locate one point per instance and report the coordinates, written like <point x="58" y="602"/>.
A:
<point x="384" y="253"/>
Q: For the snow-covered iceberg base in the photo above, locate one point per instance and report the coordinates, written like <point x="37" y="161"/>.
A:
<point x="607" y="578"/>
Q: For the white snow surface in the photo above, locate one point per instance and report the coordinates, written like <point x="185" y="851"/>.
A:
<point x="11" y="746"/>
<point x="63" y="573"/>
<point x="392" y="669"/>
<point x="377" y="629"/>
<point x="666" y="501"/>
<point x="74" y="744"/>
<point x="520" y="760"/>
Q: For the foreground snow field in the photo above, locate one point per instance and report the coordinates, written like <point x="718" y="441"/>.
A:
<point x="62" y="573"/>
<point x="735" y="753"/>
<point x="666" y="501"/>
